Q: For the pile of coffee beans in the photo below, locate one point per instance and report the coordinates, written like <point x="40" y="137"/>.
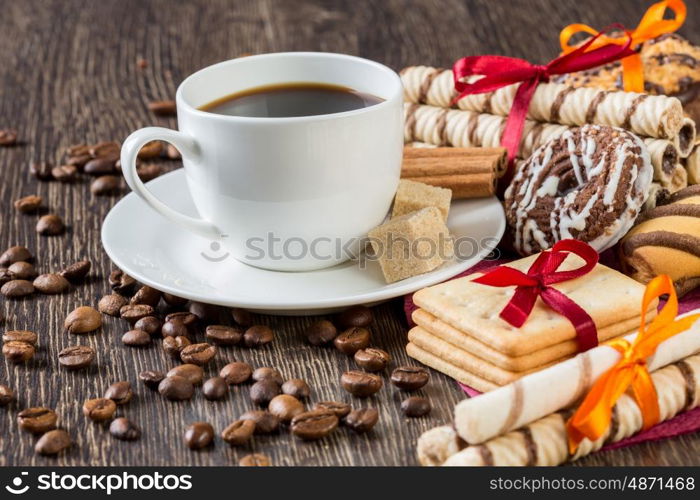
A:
<point x="103" y="409"/>
<point x="42" y="422"/>
<point x="19" y="346"/>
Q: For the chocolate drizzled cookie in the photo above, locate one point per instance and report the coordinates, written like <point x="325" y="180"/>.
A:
<point x="588" y="184"/>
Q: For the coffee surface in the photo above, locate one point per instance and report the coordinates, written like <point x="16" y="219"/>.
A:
<point x="291" y="99"/>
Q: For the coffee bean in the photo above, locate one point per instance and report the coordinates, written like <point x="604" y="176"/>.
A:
<point x="358" y="316"/>
<point x="321" y="333"/>
<point x="124" y="429"/>
<point x="147" y="295"/>
<point x="372" y="359"/>
<point x="172" y="152"/>
<point x="174" y="300"/>
<point x="8" y="137"/>
<point x="258" y="335"/>
<point x="198" y="354"/>
<point x="199" y="435"/>
<point x="268" y="373"/>
<point x="149" y="324"/>
<point x="78" y="161"/>
<point x="111" y="304"/>
<point x="239" y="432"/>
<point x="99" y="409"/>
<point x="53" y="442"/>
<point x="7" y="395"/>
<point x="41" y="170"/>
<point x="255" y="460"/>
<point x="296" y="387"/>
<point x="174" y="329"/>
<point x="18" y="352"/>
<point x="51" y="284"/>
<point x="22" y="271"/>
<point x="134" y="312"/>
<point x="185" y="317"/>
<point x="176" y="388"/>
<point x="5" y="276"/>
<point x="76" y="272"/>
<point x="28" y="204"/>
<point x="415" y="406"/>
<point x="15" y="254"/>
<point x="174" y="345"/>
<point x="84" y="319"/>
<point x="101" y="166"/>
<point x="37" y="420"/>
<point x="50" y="225"/>
<point x="193" y="373"/>
<point x="20" y="336"/>
<point x="106" y="185"/>
<point x="136" y="338"/>
<point x="163" y="108"/>
<point x="17" y="288"/>
<point x="285" y="407"/>
<point x="105" y="148"/>
<point x="215" y="388"/>
<point x="150" y="150"/>
<point x="315" y="424"/>
<point x="121" y="283"/>
<point x="151" y="378"/>
<point x="362" y="420"/>
<point x="236" y="372"/>
<point x="224" y="335"/>
<point x="65" y="173"/>
<point x="241" y="317"/>
<point x="265" y="422"/>
<point x="360" y="384"/>
<point x="263" y="391"/>
<point x="77" y="149"/>
<point x="148" y="172"/>
<point x="76" y="357"/>
<point x="338" y="408"/>
<point x="352" y="340"/>
<point x="119" y="392"/>
<point x="410" y="378"/>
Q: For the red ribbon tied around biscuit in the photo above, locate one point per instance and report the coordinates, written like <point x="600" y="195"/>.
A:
<point x="537" y="283"/>
<point x="500" y="71"/>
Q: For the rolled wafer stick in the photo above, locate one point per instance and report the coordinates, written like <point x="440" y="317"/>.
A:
<point x="467" y="129"/>
<point x="559" y="386"/>
<point x="438" y="444"/>
<point x="664" y="158"/>
<point x="685" y="140"/>
<point x="657" y="194"/>
<point x="648" y="115"/>
<point x="679" y="179"/>
<point x="692" y="165"/>
<point x="545" y="442"/>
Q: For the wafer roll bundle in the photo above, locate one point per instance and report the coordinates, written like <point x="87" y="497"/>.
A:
<point x="545" y="441"/>
<point x="651" y="116"/>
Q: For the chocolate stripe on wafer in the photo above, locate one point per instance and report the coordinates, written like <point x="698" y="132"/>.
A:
<point x="690" y="383"/>
<point x="683" y="242"/>
<point x="614" y="425"/>
<point x="516" y="407"/>
<point x="593" y="106"/>
<point x="411" y="120"/>
<point x="425" y="85"/>
<point x="442" y="127"/>
<point x="472" y="125"/>
<point x="585" y="380"/>
<point x="627" y="122"/>
<point x="530" y="446"/>
<point x="486" y="455"/>
<point x="558" y="103"/>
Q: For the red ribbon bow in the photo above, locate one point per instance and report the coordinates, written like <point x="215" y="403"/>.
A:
<point x="500" y="71"/>
<point x="537" y="283"/>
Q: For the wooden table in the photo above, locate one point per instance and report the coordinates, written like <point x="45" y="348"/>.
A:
<point x="69" y="75"/>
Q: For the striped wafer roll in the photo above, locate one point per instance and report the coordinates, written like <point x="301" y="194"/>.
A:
<point x="657" y="194"/>
<point x="685" y="140"/>
<point x="692" y="165"/>
<point x="652" y="116"/>
<point x="664" y="157"/>
<point x="545" y="441"/>
<point x="438" y="444"/>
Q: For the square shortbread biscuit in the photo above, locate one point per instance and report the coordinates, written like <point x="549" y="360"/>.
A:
<point x="412" y="244"/>
<point x="605" y="294"/>
<point x="412" y="196"/>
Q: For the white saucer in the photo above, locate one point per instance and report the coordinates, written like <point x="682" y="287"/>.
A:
<point x="157" y="253"/>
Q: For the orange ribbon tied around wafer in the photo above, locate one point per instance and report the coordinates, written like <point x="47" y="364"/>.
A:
<point x="592" y="418"/>
<point x="651" y="26"/>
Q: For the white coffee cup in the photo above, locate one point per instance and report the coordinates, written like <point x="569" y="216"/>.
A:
<point x="290" y="194"/>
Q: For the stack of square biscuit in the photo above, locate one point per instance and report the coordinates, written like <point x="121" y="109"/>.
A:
<point x="459" y="331"/>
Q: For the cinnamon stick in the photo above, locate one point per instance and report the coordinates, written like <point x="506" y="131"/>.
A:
<point x="468" y="172"/>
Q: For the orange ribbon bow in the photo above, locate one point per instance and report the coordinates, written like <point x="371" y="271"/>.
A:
<point x="592" y="418"/>
<point x="652" y="25"/>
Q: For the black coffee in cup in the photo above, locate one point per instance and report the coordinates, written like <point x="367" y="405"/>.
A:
<point x="291" y="99"/>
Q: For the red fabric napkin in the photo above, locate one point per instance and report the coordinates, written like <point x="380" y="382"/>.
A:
<point x="684" y="423"/>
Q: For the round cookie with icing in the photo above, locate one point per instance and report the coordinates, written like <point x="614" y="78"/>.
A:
<point x="588" y="184"/>
<point x="666" y="240"/>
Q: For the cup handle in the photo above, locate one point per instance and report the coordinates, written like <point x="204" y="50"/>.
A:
<point x="189" y="149"/>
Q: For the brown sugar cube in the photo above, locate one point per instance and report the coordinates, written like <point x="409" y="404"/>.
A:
<point x="412" y="196"/>
<point x="411" y="244"/>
